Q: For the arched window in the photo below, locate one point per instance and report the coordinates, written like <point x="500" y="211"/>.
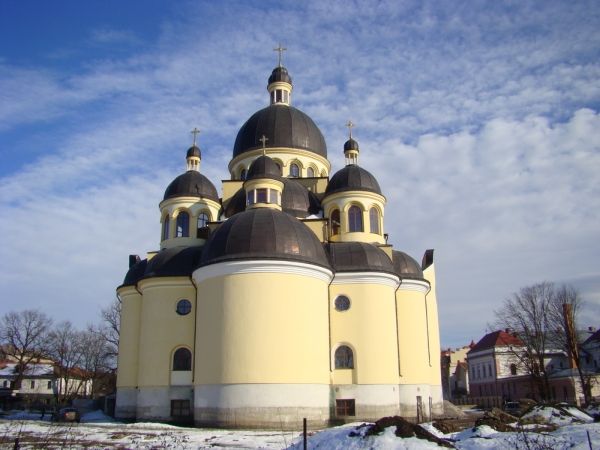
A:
<point x="243" y="174"/>
<point x="513" y="369"/>
<point x="310" y="172"/>
<point x="344" y="359"/>
<point x="335" y="222"/>
<point x="165" y="228"/>
<point x="183" y="224"/>
<point x="203" y="220"/>
<point x="355" y="222"/>
<point x="182" y="359"/>
<point x="374" y="220"/>
<point x="294" y="170"/>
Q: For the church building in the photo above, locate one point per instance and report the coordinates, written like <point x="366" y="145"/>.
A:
<point x="281" y="298"/>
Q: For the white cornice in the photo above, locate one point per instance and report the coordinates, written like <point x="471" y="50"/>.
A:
<point x="414" y="285"/>
<point x="163" y="282"/>
<point x="262" y="266"/>
<point x="385" y="279"/>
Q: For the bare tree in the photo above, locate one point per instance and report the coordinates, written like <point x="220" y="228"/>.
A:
<point x="97" y="359"/>
<point x="527" y="313"/>
<point x="564" y="317"/>
<point x="24" y="337"/>
<point x="111" y="318"/>
<point x="66" y="349"/>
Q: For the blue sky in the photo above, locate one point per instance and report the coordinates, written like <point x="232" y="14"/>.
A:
<point x="479" y="119"/>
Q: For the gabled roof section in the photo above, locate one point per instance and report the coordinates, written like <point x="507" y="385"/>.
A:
<point x="498" y="338"/>
<point x="593" y="338"/>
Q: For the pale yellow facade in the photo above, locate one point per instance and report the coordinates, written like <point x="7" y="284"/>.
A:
<point x="279" y="312"/>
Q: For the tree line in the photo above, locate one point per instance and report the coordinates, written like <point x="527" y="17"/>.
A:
<point x="79" y="355"/>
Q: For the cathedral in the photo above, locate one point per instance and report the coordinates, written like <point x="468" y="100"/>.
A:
<point x="281" y="298"/>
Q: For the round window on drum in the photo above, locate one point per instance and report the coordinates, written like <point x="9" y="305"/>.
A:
<point x="342" y="303"/>
<point x="184" y="307"/>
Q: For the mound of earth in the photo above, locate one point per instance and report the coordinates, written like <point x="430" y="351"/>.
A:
<point x="405" y="429"/>
<point x="498" y="420"/>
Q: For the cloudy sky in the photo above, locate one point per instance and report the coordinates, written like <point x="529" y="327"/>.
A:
<point x="480" y="120"/>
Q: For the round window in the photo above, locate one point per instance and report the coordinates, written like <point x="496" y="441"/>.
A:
<point x="342" y="303"/>
<point x="183" y="307"/>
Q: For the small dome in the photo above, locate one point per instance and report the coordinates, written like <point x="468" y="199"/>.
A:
<point x="263" y="233"/>
<point x="406" y="266"/>
<point x="264" y="167"/>
<point x="173" y="262"/>
<point x="193" y="151"/>
<point x="280" y="74"/>
<point x="296" y="200"/>
<point x="135" y="273"/>
<point x="350" y="144"/>
<point x="352" y="178"/>
<point x="284" y="126"/>
<point x="358" y="257"/>
<point x="191" y="184"/>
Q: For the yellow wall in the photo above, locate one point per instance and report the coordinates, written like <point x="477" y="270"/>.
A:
<point x="131" y="302"/>
<point x="273" y="335"/>
<point x="365" y="200"/>
<point x="434" y="328"/>
<point x="162" y="329"/>
<point x="194" y="207"/>
<point x="415" y="353"/>
<point x="369" y="328"/>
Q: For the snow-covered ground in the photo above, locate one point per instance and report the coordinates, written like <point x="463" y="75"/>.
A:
<point x="99" y="431"/>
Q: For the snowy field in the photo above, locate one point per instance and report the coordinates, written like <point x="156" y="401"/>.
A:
<point x="101" y="432"/>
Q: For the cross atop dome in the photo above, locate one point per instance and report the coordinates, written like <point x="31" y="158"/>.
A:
<point x="351" y="146"/>
<point x="195" y="132"/>
<point x="280" y="49"/>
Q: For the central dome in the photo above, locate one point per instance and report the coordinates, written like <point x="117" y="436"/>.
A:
<point x="283" y="126"/>
<point x="263" y="233"/>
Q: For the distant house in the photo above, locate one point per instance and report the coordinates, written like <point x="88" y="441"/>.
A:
<point x="590" y="351"/>
<point x="455" y="373"/>
<point x="496" y="375"/>
<point x="41" y="383"/>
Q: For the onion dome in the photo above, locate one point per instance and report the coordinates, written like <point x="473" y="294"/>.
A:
<point x="350" y="144"/>
<point x="135" y="273"/>
<point x="193" y="151"/>
<point x="173" y="262"/>
<point x="285" y="126"/>
<point x="280" y="74"/>
<point x="263" y="167"/>
<point x="263" y="233"/>
<point x="191" y="184"/>
<point x="352" y="178"/>
<point x="358" y="257"/>
<point x="406" y="266"/>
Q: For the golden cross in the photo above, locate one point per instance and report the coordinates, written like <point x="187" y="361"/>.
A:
<point x="280" y="49"/>
<point x="350" y="125"/>
<point x="195" y="132"/>
<point x="264" y="140"/>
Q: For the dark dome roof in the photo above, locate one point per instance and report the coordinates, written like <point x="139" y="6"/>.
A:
<point x="134" y="273"/>
<point x="170" y="262"/>
<point x="263" y="233"/>
<point x="296" y="200"/>
<point x="191" y="184"/>
<point x="351" y="144"/>
<point x="264" y="167"/>
<point x="352" y="178"/>
<point x="280" y="74"/>
<point x="173" y="262"/>
<point x="358" y="257"/>
<point x="193" y="151"/>
<point x="283" y="126"/>
<point x="406" y="266"/>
